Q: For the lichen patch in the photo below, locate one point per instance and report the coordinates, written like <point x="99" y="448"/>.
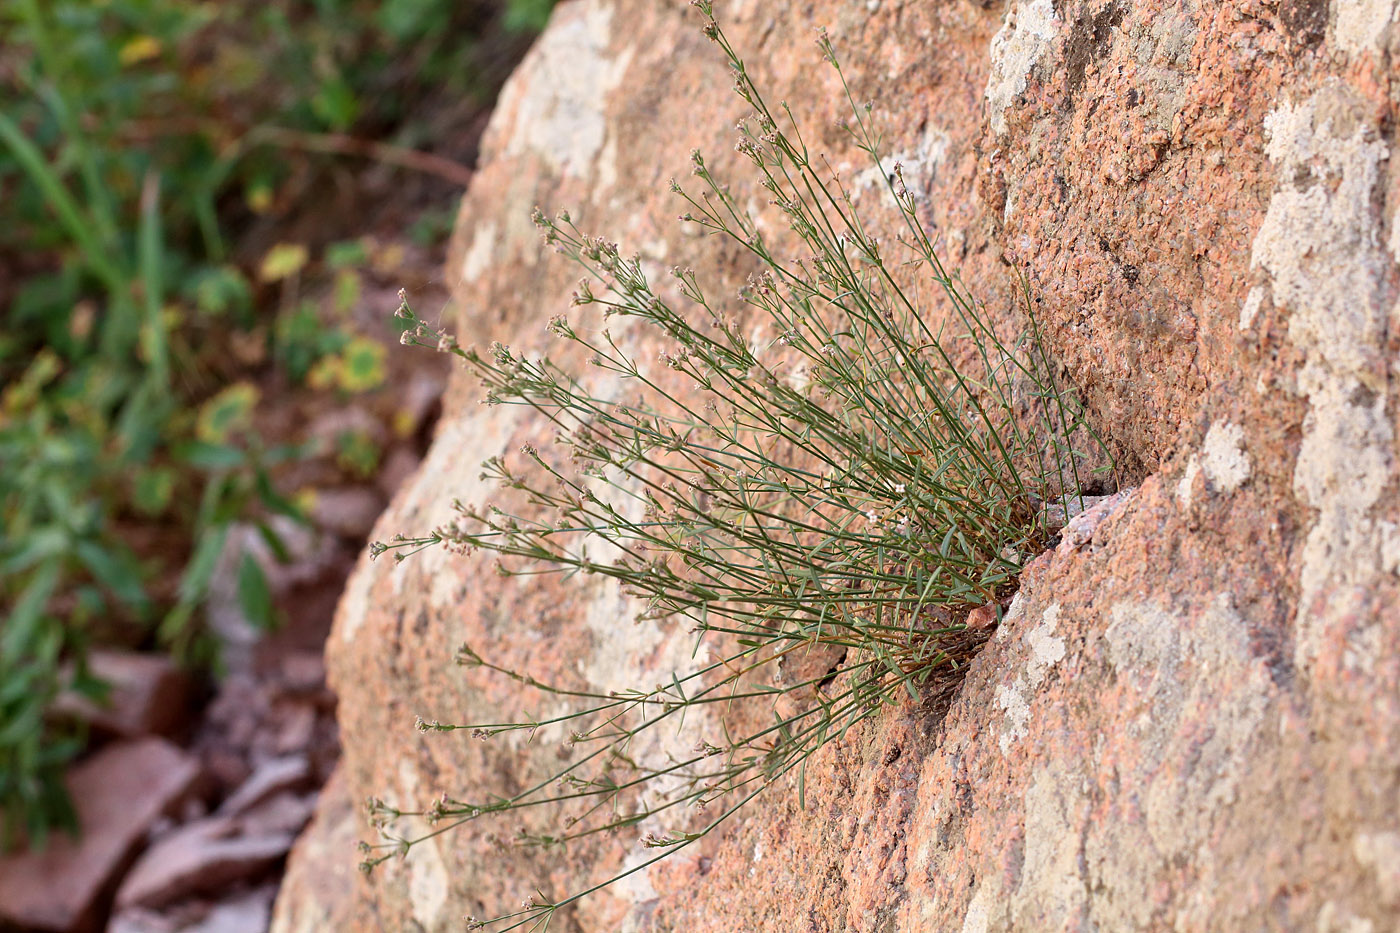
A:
<point x="1223" y="456"/>
<point x="1380" y="853"/>
<point x="1046" y="651"/>
<point x="1017" y="715"/>
<point x="1338" y="918"/>
<point x="428" y="880"/>
<point x="1222" y="460"/>
<point x="1361" y="24"/>
<point x="480" y="254"/>
<point x="1026" y="34"/>
<point x="559" y="93"/>
<point x="919" y="163"/>
<point x="1052" y="893"/>
<point x="1343" y="466"/>
<point x="1320" y="239"/>
<point x="1321" y="243"/>
<point x="1250" y="309"/>
<point x="1209" y="699"/>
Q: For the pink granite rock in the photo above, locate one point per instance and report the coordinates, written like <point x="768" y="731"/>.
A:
<point x="147" y="695"/>
<point x="321" y="889"/>
<point x="198" y="858"/>
<point x="248" y="913"/>
<point x="273" y="777"/>
<point x="1190" y="717"/>
<point x="119" y="793"/>
<point x="349" y="511"/>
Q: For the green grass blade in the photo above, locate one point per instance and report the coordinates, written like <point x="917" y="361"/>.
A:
<point x="75" y="222"/>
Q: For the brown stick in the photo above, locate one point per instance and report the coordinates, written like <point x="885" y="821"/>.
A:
<point x="341" y="144"/>
<point x="326" y="143"/>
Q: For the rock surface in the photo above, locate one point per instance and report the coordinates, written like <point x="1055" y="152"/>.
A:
<point x="205" y="856"/>
<point x="329" y="893"/>
<point x="1190" y="717"/>
<point x="273" y="777"/>
<point x="119" y="793"/>
<point x="147" y="694"/>
<point x="243" y="912"/>
<point x="349" y="511"/>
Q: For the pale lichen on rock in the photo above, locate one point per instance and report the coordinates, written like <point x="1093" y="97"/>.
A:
<point x="1026" y="35"/>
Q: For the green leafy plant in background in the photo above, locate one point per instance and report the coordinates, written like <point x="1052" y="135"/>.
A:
<point x="849" y="489"/>
<point x="137" y="138"/>
<point x="90" y="423"/>
<point x="527" y="15"/>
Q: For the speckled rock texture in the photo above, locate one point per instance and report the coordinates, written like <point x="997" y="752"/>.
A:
<point x="1190" y="718"/>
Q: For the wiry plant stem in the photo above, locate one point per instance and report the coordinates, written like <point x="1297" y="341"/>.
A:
<point x="864" y="511"/>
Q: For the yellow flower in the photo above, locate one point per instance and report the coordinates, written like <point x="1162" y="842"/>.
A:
<point x="361" y="365"/>
<point x="229" y="411"/>
<point x="138" y="50"/>
<point x="282" y="261"/>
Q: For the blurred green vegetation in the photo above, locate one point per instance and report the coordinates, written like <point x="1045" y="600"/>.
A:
<point x="140" y="142"/>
